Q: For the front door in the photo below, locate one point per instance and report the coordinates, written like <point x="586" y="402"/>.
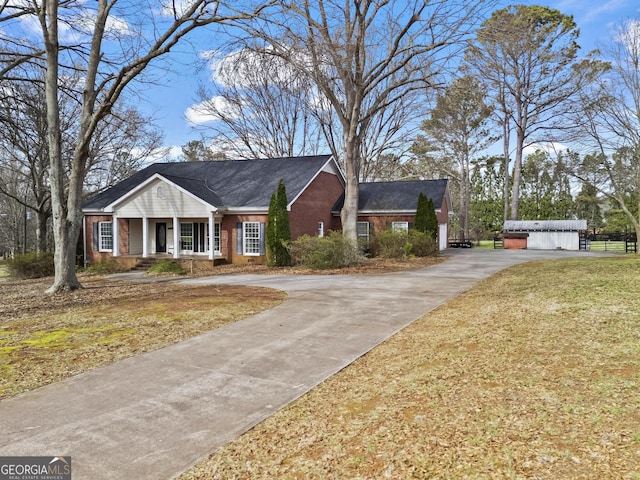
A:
<point x="161" y="238"/>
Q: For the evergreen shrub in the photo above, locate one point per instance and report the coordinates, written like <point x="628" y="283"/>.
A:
<point x="398" y="244"/>
<point x="105" y="268"/>
<point x="171" y="268"/>
<point x="389" y="243"/>
<point x="422" y="244"/>
<point x="320" y="253"/>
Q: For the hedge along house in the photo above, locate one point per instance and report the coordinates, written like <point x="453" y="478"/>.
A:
<point x="543" y="234"/>
<point x="384" y="205"/>
<point x="213" y="210"/>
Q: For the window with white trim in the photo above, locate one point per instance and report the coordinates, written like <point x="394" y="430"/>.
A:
<point x="400" y="226"/>
<point x="321" y="229"/>
<point x="362" y="231"/>
<point x="105" y="236"/>
<point x="251" y="238"/>
<point x="186" y="237"/>
<point x="216" y="237"/>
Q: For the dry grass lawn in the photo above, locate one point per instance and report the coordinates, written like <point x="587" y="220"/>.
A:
<point x="45" y="338"/>
<point x="534" y="374"/>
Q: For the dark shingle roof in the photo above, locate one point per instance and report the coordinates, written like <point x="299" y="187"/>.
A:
<point x="229" y="183"/>
<point x="397" y="196"/>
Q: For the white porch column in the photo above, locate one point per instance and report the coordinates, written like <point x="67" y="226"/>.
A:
<point x="115" y="237"/>
<point x="176" y="237"/>
<point x="145" y="237"/>
<point x="211" y="239"/>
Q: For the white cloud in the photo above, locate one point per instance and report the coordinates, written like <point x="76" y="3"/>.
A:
<point x="241" y="68"/>
<point x="548" y="147"/>
<point x="177" y="8"/>
<point x="201" y="113"/>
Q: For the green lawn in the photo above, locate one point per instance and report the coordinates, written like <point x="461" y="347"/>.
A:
<point x="602" y="246"/>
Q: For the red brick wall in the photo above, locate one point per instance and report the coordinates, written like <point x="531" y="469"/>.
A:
<point x="314" y="205"/>
<point x="94" y="256"/>
<point x="229" y="238"/>
<point x="443" y="214"/>
<point x="381" y="223"/>
<point x="515" y="243"/>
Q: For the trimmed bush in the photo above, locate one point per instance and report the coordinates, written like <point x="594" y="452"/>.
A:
<point x="397" y="244"/>
<point x="171" y="268"/>
<point x="31" y="265"/>
<point x="422" y="244"/>
<point x="105" y="268"/>
<point x="389" y="243"/>
<point x="321" y="253"/>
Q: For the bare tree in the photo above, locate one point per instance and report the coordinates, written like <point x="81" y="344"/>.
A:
<point x="609" y="123"/>
<point x="527" y="56"/>
<point x="363" y="56"/>
<point x="260" y="107"/>
<point x="23" y="152"/>
<point x="111" y="44"/>
<point x="122" y="142"/>
<point x="456" y="131"/>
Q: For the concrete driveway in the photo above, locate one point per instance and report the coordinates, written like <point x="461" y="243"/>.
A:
<point x="155" y="415"/>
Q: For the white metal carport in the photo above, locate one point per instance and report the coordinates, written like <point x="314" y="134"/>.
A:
<point x="548" y="234"/>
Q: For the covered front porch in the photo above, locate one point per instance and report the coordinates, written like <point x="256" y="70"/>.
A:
<point x="167" y="236"/>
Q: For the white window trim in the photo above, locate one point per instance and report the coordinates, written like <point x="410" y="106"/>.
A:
<point x="245" y="238"/>
<point x="182" y="250"/>
<point x="363" y="236"/>
<point x="217" y="235"/>
<point x="103" y="236"/>
<point x="400" y="226"/>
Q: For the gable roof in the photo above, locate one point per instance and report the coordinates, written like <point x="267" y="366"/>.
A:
<point x="225" y="183"/>
<point x="544" y="225"/>
<point x="398" y="196"/>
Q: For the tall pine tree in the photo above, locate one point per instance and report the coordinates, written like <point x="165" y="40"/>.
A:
<point x="421" y="221"/>
<point x="432" y="219"/>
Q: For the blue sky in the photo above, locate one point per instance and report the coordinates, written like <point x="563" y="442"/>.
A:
<point x="176" y="91"/>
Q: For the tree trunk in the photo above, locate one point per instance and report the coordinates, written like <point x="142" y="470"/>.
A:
<point x="65" y="234"/>
<point x="349" y="213"/>
<point x="463" y="202"/>
<point x="505" y="188"/>
<point x="41" y="231"/>
<point x="517" y="174"/>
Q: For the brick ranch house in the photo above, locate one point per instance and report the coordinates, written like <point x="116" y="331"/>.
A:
<point x="217" y="210"/>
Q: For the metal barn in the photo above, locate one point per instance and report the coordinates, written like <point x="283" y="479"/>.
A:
<point x="546" y="234"/>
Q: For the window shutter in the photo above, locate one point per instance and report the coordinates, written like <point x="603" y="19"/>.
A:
<point x="410" y="225"/>
<point x="239" y="238"/>
<point x="263" y="250"/>
<point x="96" y="236"/>
<point x="370" y="228"/>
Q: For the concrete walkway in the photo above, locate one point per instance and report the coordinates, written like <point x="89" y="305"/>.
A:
<point x="154" y="415"/>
